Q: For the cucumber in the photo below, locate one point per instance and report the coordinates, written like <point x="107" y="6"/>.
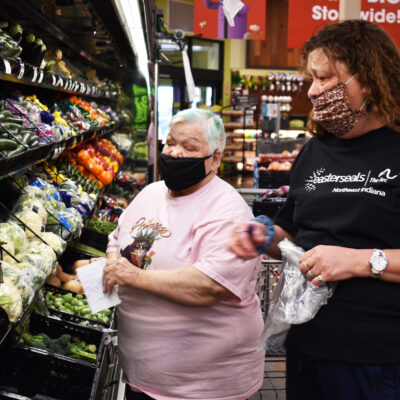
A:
<point x="26" y="138"/>
<point x="11" y="126"/>
<point x="7" y="144"/>
<point x="4" y="114"/>
<point x="18" y="121"/>
<point x="34" y="142"/>
<point x="15" y="152"/>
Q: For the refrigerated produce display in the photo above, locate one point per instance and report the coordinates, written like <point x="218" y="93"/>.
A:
<point x="71" y="160"/>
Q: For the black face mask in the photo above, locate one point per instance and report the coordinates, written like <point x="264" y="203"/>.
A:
<point x="182" y="173"/>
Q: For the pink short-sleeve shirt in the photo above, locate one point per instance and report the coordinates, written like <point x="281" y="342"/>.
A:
<point x="172" y="351"/>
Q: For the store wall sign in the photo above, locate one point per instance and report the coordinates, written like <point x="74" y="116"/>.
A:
<point x="210" y="21"/>
<point x="306" y="17"/>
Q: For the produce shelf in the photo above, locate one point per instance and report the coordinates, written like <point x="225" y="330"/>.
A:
<point x="50" y="150"/>
<point x="53" y="81"/>
<point x="55" y="376"/>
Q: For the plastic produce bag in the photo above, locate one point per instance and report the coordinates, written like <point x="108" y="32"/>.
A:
<point x="31" y="273"/>
<point x="53" y="240"/>
<point x="27" y="202"/>
<point x="69" y="224"/>
<point x="13" y="233"/>
<point x="31" y="220"/>
<point x="7" y="248"/>
<point x="295" y="301"/>
<point x="33" y="111"/>
<point x="21" y="281"/>
<point x="10" y="301"/>
<point x="41" y="257"/>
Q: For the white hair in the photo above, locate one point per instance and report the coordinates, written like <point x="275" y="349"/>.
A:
<point x="213" y="127"/>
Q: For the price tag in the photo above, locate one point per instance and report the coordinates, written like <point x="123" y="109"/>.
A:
<point x="83" y="88"/>
<point x="41" y="76"/>
<point x="88" y="90"/>
<point x="58" y="150"/>
<point x="35" y="74"/>
<point x="53" y="80"/>
<point x="21" y="70"/>
<point x="60" y="82"/>
<point x="7" y="66"/>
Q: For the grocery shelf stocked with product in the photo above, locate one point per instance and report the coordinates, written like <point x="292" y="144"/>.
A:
<point x="240" y="123"/>
<point x="73" y="154"/>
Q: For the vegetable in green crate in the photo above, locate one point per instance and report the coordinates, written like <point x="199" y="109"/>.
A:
<point x="75" y="304"/>
<point x="64" y="345"/>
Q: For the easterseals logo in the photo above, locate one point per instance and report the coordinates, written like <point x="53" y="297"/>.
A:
<point x="319" y="177"/>
<point x="360" y="182"/>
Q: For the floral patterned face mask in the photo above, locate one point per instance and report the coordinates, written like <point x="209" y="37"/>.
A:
<point x="332" y="109"/>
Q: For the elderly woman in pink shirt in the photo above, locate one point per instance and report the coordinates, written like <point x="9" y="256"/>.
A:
<point x="190" y="320"/>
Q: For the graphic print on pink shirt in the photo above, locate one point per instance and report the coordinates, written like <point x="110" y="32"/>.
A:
<point x="138" y="252"/>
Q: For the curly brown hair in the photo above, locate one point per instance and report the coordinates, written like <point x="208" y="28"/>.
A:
<point x="366" y="49"/>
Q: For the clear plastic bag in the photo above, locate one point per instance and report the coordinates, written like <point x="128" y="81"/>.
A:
<point x="295" y="300"/>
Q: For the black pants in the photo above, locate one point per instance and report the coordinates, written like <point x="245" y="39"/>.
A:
<point x="309" y="379"/>
<point x="131" y="395"/>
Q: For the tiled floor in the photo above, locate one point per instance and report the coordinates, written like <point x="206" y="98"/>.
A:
<point x="273" y="387"/>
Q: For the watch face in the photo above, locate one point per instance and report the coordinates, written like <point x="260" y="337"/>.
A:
<point x="379" y="262"/>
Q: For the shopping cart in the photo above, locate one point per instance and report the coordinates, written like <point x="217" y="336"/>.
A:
<point x="275" y="363"/>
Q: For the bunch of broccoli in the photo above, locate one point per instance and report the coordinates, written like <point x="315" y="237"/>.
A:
<point x="65" y="345"/>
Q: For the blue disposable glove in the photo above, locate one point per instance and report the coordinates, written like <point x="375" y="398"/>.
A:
<point x="269" y="224"/>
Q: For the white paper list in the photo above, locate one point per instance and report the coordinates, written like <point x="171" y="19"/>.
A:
<point x="91" y="278"/>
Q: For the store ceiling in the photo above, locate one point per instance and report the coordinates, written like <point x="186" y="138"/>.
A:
<point x="87" y="31"/>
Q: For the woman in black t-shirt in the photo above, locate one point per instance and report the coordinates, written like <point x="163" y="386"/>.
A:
<point x="343" y="209"/>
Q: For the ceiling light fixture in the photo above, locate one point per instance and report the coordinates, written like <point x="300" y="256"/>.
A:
<point x="128" y="12"/>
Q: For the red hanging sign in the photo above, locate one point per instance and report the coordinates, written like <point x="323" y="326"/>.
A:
<point x="385" y="13"/>
<point x="306" y="17"/>
<point x="210" y="21"/>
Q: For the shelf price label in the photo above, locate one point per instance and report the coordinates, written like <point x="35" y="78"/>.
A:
<point x="53" y="80"/>
<point x="41" y="76"/>
<point x="58" y="150"/>
<point x="35" y="74"/>
<point x="21" y="70"/>
<point x="7" y="66"/>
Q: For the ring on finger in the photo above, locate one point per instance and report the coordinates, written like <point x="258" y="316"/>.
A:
<point x="321" y="280"/>
<point x="306" y="264"/>
<point x="310" y="274"/>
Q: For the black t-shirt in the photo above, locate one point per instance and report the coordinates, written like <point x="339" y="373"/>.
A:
<point x="347" y="193"/>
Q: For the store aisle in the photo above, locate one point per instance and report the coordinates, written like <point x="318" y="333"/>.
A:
<point x="239" y="181"/>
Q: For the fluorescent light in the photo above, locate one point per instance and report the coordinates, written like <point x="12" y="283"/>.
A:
<point x="129" y="16"/>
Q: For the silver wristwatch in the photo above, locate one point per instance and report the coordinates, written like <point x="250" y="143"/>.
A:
<point x="378" y="263"/>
